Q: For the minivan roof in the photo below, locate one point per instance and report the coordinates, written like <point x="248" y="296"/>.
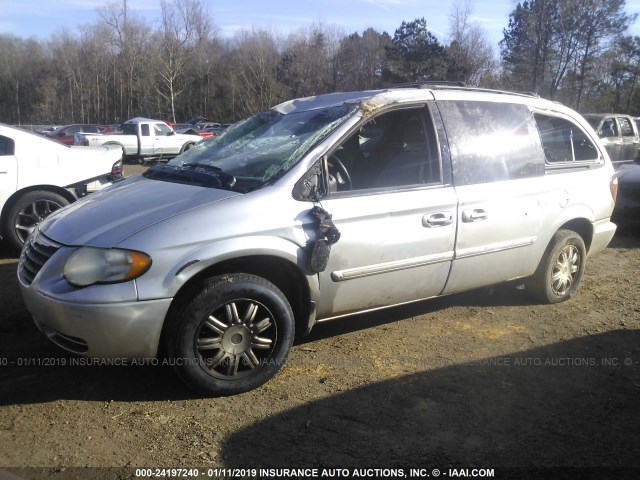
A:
<point x="397" y="93"/>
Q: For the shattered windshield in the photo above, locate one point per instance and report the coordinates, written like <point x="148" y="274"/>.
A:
<point x="259" y="150"/>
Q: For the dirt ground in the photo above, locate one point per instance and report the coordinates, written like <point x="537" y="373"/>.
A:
<point x="485" y="379"/>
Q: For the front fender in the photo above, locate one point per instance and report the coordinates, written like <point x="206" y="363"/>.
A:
<point x="195" y="261"/>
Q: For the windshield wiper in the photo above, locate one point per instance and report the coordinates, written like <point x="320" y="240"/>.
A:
<point x="229" y="179"/>
<point x="204" y="166"/>
<point x="194" y="174"/>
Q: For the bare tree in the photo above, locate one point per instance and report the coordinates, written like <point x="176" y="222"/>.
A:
<point x="307" y="65"/>
<point x="470" y="56"/>
<point x="362" y="60"/>
<point x="128" y="49"/>
<point x="182" y="21"/>
<point x="599" y="21"/>
<point x="66" y="49"/>
<point x="252" y="84"/>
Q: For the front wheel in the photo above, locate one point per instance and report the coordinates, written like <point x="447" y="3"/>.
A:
<point x="560" y="271"/>
<point x="233" y="336"/>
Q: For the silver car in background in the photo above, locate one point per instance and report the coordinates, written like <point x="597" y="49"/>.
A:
<point x="317" y="209"/>
<point x="618" y="134"/>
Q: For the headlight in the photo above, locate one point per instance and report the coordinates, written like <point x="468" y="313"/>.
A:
<point x="88" y="265"/>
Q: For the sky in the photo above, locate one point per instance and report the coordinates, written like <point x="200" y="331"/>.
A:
<point x="42" y="19"/>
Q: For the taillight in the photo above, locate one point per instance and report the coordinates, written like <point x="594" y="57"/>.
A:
<point x="613" y="186"/>
<point x="116" y="168"/>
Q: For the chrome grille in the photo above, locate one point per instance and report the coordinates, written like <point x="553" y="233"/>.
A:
<point x="35" y="254"/>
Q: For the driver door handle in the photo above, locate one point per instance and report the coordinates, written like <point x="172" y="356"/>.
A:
<point x="440" y="219"/>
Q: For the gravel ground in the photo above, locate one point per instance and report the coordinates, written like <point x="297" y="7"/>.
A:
<point x="484" y="379"/>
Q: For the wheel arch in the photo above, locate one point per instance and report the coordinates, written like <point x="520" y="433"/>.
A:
<point x="282" y="273"/>
<point x="33" y="188"/>
<point x="111" y="144"/>
<point x="582" y="227"/>
<point x="187" y="145"/>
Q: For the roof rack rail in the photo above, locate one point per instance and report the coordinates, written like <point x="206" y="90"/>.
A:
<point x="428" y="83"/>
<point x="529" y="94"/>
<point x="435" y="84"/>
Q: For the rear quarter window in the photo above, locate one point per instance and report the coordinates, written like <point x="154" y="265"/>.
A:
<point x="564" y="142"/>
<point x="491" y="142"/>
<point x="7" y="146"/>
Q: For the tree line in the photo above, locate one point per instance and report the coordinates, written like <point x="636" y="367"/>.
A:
<point x="574" y="51"/>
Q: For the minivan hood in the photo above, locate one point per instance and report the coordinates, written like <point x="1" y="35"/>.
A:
<point x="107" y="217"/>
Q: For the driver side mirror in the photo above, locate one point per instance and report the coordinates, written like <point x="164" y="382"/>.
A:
<point x="312" y="185"/>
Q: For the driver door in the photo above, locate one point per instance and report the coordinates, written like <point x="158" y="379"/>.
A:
<point x="163" y="140"/>
<point x="395" y="214"/>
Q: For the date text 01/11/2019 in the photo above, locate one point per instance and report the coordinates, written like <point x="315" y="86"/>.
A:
<point x="310" y="472"/>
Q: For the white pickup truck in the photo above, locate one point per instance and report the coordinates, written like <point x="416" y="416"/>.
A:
<point x="143" y="139"/>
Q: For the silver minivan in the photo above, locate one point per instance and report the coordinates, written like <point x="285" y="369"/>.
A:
<point x="317" y="209"/>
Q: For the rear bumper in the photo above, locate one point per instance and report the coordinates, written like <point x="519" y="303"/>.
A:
<point x="603" y="232"/>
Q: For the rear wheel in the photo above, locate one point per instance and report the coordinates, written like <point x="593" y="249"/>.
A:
<point x="560" y="271"/>
<point x="27" y="212"/>
<point x="233" y="336"/>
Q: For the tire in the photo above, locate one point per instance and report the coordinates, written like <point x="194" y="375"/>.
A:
<point x="186" y="146"/>
<point x="233" y="336"/>
<point x="560" y="271"/>
<point x="27" y="212"/>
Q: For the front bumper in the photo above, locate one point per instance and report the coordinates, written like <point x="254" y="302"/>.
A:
<point x="92" y="185"/>
<point x="107" y="330"/>
<point x="106" y="321"/>
<point x="128" y="329"/>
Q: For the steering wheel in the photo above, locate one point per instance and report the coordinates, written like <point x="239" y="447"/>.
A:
<point x="339" y="172"/>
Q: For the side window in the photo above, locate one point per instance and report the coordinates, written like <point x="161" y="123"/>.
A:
<point x="7" y="146"/>
<point x="609" y="128"/>
<point x="491" y="142"/>
<point x="144" y="130"/>
<point x="395" y="149"/>
<point x="90" y="129"/>
<point x="625" y="127"/>
<point x="563" y="141"/>
<point x="161" y="129"/>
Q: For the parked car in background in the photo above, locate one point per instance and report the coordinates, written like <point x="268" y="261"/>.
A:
<point x="619" y="135"/>
<point x="39" y="176"/>
<point x="217" y="129"/>
<point x="143" y="139"/>
<point x="186" y="129"/>
<point x="65" y="134"/>
<point x="46" y="129"/>
<point x="627" y="209"/>
<point x="204" y="125"/>
<point x="316" y="209"/>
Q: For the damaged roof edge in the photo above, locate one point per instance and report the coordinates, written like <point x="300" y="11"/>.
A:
<point x="324" y="101"/>
<point x="370" y="100"/>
